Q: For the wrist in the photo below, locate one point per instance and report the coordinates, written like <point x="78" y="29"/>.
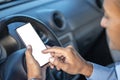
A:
<point x="35" y="79"/>
<point x="32" y="76"/>
<point x="87" y="69"/>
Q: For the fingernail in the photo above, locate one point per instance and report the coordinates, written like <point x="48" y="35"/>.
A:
<point x="47" y="46"/>
<point x="44" y="50"/>
<point x="52" y="67"/>
<point x="52" y="59"/>
<point x="28" y="47"/>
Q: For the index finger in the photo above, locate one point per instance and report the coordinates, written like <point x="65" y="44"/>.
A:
<point x="57" y="50"/>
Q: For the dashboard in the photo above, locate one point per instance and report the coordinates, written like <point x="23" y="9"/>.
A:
<point x="69" y="20"/>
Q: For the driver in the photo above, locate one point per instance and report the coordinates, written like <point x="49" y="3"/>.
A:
<point x="69" y="60"/>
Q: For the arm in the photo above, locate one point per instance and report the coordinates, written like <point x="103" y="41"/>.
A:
<point x="102" y="73"/>
<point x="69" y="60"/>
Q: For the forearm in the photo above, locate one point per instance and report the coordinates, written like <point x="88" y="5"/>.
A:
<point x="102" y="73"/>
<point x="87" y="69"/>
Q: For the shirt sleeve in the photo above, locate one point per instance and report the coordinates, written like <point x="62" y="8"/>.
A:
<point x="102" y="73"/>
<point x="35" y="79"/>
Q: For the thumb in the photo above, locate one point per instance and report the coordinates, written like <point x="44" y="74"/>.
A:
<point x="29" y="50"/>
<point x="33" y="68"/>
<point x="29" y="56"/>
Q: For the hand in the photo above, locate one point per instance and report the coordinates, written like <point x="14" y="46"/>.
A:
<point x="33" y="68"/>
<point x="69" y="60"/>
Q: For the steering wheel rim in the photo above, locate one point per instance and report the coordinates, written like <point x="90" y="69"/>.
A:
<point x="10" y="59"/>
<point x="35" y="23"/>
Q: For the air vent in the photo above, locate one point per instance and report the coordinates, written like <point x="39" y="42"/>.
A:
<point x="58" y="21"/>
<point x="54" y="18"/>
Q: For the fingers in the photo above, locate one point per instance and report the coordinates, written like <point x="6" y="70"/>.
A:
<point x="57" y="63"/>
<point x="28" y="53"/>
<point x="48" y="46"/>
<point x="29" y="49"/>
<point x="69" y="46"/>
<point x="59" y="57"/>
<point x="29" y="56"/>
<point x="51" y="65"/>
<point x="33" y="68"/>
<point x="55" y="51"/>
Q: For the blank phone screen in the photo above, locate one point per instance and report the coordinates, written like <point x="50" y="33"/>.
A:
<point x="30" y="37"/>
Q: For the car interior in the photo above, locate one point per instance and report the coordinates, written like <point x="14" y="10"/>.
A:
<point x="58" y="23"/>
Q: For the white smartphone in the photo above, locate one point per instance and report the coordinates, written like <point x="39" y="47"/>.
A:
<point x="30" y="37"/>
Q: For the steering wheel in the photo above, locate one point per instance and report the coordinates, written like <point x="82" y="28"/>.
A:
<point x="12" y="64"/>
<point x="13" y="67"/>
